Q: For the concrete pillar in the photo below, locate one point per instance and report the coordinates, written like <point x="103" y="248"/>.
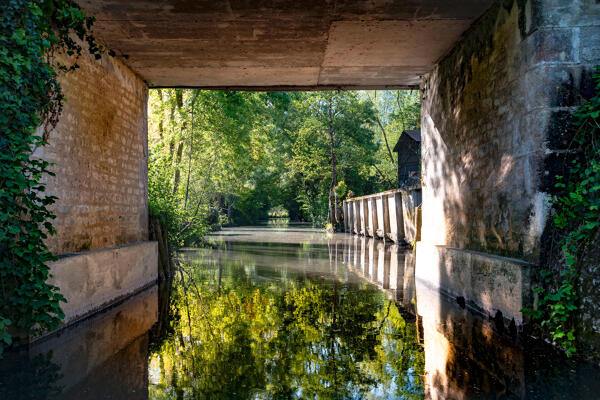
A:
<point x="345" y="213"/>
<point x="350" y="216"/>
<point x="492" y="192"/>
<point x="382" y="216"/>
<point x="362" y="205"/>
<point x="391" y="206"/>
<point x="372" y="216"/>
<point x="102" y="188"/>
<point x="394" y="201"/>
<point x="357" y="220"/>
<point x="399" y="217"/>
<point x="356" y="215"/>
<point x="411" y="199"/>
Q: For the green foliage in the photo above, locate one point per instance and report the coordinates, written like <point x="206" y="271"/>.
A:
<point x="229" y="157"/>
<point x="31" y="32"/>
<point x="181" y="222"/>
<point x="332" y="126"/>
<point x="397" y="111"/>
<point x="576" y="215"/>
<point x="203" y="145"/>
<point x="341" y="189"/>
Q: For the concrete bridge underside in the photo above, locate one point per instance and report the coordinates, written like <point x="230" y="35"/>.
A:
<point x="498" y="79"/>
<point x="299" y="44"/>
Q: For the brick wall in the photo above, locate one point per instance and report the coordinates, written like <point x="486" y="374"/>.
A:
<point x="100" y="153"/>
<point x="493" y="120"/>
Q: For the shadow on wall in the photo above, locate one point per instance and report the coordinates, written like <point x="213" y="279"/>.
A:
<point x="495" y="125"/>
<point x="479" y="155"/>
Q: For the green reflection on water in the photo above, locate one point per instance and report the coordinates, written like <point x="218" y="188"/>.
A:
<point x="242" y="330"/>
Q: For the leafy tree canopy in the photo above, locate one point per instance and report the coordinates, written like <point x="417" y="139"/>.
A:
<point x="230" y="157"/>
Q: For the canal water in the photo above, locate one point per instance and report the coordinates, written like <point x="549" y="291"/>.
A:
<point x="280" y="312"/>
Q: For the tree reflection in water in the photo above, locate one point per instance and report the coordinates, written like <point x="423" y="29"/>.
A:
<point x="239" y="334"/>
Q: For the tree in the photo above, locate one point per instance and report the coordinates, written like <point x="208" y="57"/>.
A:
<point x="334" y="128"/>
<point x="230" y="157"/>
<point x="397" y="111"/>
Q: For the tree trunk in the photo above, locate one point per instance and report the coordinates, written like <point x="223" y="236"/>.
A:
<point x="191" y="150"/>
<point x="332" y="212"/>
<point x="386" y="140"/>
<point x="176" y="165"/>
<point x="230" y="203"/>
<point x="158" y="232"/>
<point x="161" y="127"/>
<point x="171" y="122"/>
<point x="179" y="98"/>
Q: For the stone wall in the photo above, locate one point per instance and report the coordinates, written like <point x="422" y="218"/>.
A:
<point x="99" y="149"/>
<point x="495" y="127"/>
<point x="575" y="26"/>
<point x="93" y="280"/>
<point x="493" y="122"/>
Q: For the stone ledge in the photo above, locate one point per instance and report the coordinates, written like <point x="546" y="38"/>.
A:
<point x="487" y="282"/>
<point x="96" y="279"/>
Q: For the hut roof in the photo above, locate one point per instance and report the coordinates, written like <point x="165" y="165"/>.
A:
<point x="412" y="134"/>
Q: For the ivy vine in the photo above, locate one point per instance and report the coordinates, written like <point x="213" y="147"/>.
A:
<point x="32" y="34"/>
<point x="577" y="219"/>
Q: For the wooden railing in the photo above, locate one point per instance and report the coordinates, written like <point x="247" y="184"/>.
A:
<point x="393" y="215"/>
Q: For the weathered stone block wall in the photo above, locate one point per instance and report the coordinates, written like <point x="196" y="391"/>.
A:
<point x="575" y="25"/>
<point x="99" y="149"/>
<point x="495" y="126"/>
<point x="93" y="280"/>
<point x="494" y="117"/>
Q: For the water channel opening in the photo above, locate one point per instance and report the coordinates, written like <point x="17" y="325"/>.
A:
<point x="219" y="158"/>
<point x="272" y="305"/>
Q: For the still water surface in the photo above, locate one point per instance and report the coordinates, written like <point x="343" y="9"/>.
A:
<point x="292" y="312"/>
